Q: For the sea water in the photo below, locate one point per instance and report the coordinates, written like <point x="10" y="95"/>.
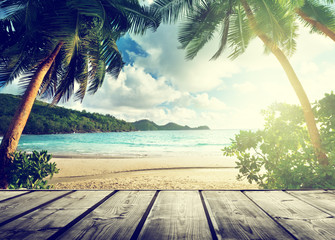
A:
<point x="128" y="144"/>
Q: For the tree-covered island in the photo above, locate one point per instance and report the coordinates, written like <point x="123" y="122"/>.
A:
<point x="48" y="119"/>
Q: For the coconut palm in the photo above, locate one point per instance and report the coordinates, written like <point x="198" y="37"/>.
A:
<point x="238" y="23"/>
<point x="315" y="14"/>
<point x="53" y="44"/>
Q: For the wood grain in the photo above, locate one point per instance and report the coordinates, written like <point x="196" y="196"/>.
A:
<point x="5" y="194"/>
<point x="301" y="219"/>
<point x="237" y="217"/>
<point x="19" y="205"/>
<point x="176" y="215"/>
<point x="323" y="200"/>
<point x="45" y="221"/>
<point x="116" y="218"/>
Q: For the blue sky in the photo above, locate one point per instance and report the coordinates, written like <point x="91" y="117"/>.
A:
<point x="157" y="83"/>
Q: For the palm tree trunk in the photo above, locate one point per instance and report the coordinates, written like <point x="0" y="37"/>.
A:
<point x="290" y="73"/>
<point x="11" y="138"/>
<point x="316" y="24"/>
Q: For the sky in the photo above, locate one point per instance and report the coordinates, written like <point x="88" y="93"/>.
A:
<point x="158" y="84"/>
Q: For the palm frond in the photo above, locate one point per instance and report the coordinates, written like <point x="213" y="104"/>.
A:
<point x="47" y="81"/>
<point x="82" y="73"/>
<point x="277" y="21"/>
<point x="65" y="87"/>
<point x="321" y="13"/>
<point x="98" y="78"/>
<point x="200" y="26"/>
<point x="25" y="80"/>
<point x="173" y="10"/>
<point x="292" y="3"/>
<point x="111" y="56"/>
<point x="140" y="18"/>
<point x="268" y="17"/>
<point x="67" y="73"/>
<point x="225" y="30"/>
<point x="239" y="34"/>
<point x="92" y="8"/>
<point x="50" y="82"/>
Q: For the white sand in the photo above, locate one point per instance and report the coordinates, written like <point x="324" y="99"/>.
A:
<point x="182" y="172"/>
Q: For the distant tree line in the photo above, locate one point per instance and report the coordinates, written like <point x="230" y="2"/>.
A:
<point x="146" y="125"/>
<point x="47" y="119"/>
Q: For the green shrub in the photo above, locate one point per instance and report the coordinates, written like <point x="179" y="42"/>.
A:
<point x="30" y="170"/>
<point x="281" y="155"/>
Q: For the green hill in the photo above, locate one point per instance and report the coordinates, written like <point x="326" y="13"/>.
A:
<point x="47" y="119"/>
<point x="146" y="125"/>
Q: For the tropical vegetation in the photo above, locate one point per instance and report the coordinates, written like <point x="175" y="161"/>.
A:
<point x="47" y="119"/>
<point x="55" y="44"/>
<point x="315" y="14"/>
<point x="281" y="155"/>
<point x="30" y="171"/>
<point x="146" y="125"/>
<point x="238" y="22"/>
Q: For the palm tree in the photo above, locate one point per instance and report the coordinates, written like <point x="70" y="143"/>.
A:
<point x="54" y="44"/>
<point x="314" y="14"/>
<point x="238" y="23"/>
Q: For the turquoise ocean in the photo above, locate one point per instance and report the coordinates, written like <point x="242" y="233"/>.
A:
<point x="131" y="144"/>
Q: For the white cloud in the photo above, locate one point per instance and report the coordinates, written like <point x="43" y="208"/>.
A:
<point x="245" y="87"/>
<point x="134" y="88"/>
<point x="167" y="60"/>
<point x="201" y="101"/>
<point x="220" y="94"/>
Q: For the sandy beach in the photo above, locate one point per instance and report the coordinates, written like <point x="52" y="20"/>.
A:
<point x="181" y="172"/>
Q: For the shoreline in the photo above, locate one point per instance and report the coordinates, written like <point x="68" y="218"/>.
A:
<point x="148" y="172"/>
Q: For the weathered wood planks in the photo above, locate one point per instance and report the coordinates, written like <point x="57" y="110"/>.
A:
<point x="167" y="214"/>
<point x="323" y="200"/>
<point x="237" y="217"/>
<point x="176" y="215"/>
<point x="116" y="218"/>
<point x="299" y="218"/>
<point x="7" y="194"/>
<point x="47" y="220"/>
<point x="28" y="202"/>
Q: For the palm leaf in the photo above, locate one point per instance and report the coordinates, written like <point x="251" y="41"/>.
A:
<point x="93" y="8"/>
<point x="239" y="32"/>
<point x="82" y="73"/>
<point x="173" y="10"/>
<point x="225" y="30"/>
<point x="321" y="13"/>
<point x="140" y="18"/>
<point x="200" y="26"/>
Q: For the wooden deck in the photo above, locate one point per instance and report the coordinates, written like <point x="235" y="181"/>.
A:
<point x="167" y="214"/>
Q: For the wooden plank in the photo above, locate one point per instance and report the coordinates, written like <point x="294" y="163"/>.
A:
<point x="47" y="220"/>
<point x="301" y="219"/>
<point x="116" y="218"/>
<point x="5" y="194"/>
<point x="237" y="217"/>
<point x="321" y="199"/>
<point x="176" y="215"/>
<point x="19" y="205"/>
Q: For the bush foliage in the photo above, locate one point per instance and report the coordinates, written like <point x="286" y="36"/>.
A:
<point x="281" y="155"/>
<point x="30" y="170"/>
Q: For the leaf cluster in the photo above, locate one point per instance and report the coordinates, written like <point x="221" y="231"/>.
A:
<point x="30" y="170"/>
<point x="202" y="20"/>
<point x="88" y="29"/>
<point x="281" y="155"/>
